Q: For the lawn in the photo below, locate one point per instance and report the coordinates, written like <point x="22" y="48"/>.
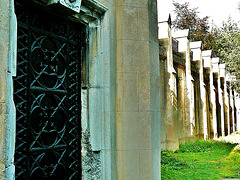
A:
<point x="201" y="160"/>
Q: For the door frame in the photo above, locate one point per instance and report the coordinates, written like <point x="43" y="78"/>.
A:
<point x="100" y="90"/>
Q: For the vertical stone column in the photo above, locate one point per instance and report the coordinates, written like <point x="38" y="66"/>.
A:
<point x="169" y="113"/>
<point x="235" y="109"/>
<point x="196" y="47"/>
<point x="137" y="90"/>
<point x="184" y="46"/>
<point x="213" y="121"/>
<point x="163" y="34"/>
<point x="232" y="104"/>
<point x="215" y="75"/>
<point x="208" y="126"/>
<point x="227" y="102"/>
<point x="7" y="70"/>
<point x="11" y="110"/>
<point x="222" y="96"/>
<point x="4" y="35"/>
<point x="237" y="103"/>
<point x="231" y="107"/>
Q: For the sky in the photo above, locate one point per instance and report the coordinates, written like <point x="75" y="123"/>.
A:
<point x="218" y="10"/>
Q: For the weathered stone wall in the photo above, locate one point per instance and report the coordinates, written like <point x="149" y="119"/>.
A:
<point x="221" y="96"/>
<point x="121" y="102"/>
<point x="99" y="120"/>
<point x="4" y="45"/>
<point x="197" y="105"/>
<point x="186" y="86"/>
<point x="163" y="91"/>
<point x="6" y="140"/>
<point x="138" y="93"/>
<point x="168" y="91"/>
<point x="199" y="89"/>
<point x="203" y="94"/>
<point x="102" y="93"/>
<point x="167" y="87"/>
<point x="183" y="117"/>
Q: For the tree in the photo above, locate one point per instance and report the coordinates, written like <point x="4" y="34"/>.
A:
<point x="223" y="41"/>
<point x="187" y="18"/>
<point x="227" y="45"/>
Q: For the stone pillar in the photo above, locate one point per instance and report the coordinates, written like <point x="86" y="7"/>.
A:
<point x="196" y="48"/>
<point x="168" y="88"/>
<point x="231" y="107"/>
<point x="213" y="121"/>
<point x="208" y="126"/>
<point x="234" y="112"/>
<point x="226" y="92"/>
<point x="232" y="102"/>
<point x="235" y="95"/>
<point x="237" y="103"/>
<point x="137" y="90"/>
<point x="222" y="96"/>
<point x="192" y="108"/>
<point x="184" y="46"/>
<point x="215" y="95"/>
<point x="4" y="35"/>
<point x="8" y="33"/>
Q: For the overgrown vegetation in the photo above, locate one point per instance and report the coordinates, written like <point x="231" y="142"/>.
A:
<point x="201" y="160"/>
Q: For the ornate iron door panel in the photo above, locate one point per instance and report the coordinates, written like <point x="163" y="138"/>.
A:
<point x="47" y="97"/>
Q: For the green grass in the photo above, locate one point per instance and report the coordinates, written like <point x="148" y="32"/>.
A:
<point x="201" y="160"/>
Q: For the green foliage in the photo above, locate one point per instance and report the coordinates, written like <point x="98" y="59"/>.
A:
<point x="224" y="41"/>
<point x="187" y="18"/>
<point x="201" y="160"/>
<point x="171" y="162"/>
<point x="203" y="146"/>
<point x="227" y="47"/>
<point x="197" y="146"/>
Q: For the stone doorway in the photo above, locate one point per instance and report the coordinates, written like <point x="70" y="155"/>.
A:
<point x="47" y="95"/>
